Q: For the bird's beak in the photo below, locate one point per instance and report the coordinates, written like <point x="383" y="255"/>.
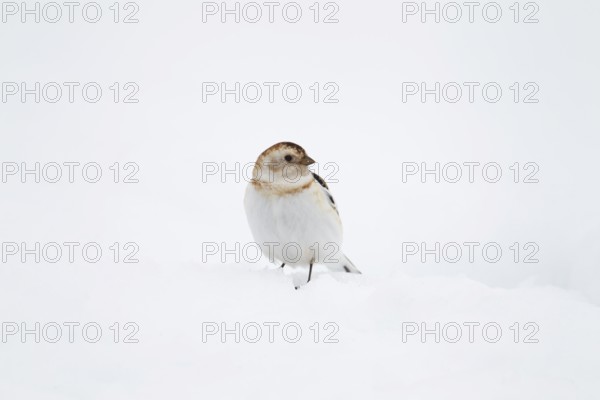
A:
<point x="306" y="160"/>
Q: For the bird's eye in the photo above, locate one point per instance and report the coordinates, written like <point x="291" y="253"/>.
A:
<point x="288" y="158"/>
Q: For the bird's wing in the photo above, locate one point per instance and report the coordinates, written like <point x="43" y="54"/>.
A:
<point x="325" y="189"/>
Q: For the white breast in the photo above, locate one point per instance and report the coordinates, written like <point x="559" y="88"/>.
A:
<point x="295" y="229"/>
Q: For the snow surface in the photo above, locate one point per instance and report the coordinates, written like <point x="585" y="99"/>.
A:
<point x="171" y="133"/>
<point x="371" y="360"/>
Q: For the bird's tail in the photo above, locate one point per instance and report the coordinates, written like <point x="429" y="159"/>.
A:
<point x="346" y="265"/>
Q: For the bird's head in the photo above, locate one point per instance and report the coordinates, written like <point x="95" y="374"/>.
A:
<point x="282" y="163"/>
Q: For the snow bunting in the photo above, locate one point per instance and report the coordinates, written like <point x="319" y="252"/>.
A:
<point x="292" y="214"/>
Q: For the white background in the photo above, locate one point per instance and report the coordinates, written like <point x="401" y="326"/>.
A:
<point x="171" y="133"/>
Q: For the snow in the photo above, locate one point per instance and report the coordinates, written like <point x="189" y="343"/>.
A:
<point x="170" y="305"/>
<point x="175" y="291"/>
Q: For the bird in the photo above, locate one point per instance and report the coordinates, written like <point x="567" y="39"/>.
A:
<point x="291" y="212"/>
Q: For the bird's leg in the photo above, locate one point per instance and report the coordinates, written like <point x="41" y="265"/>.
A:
<point x="309" y="275"/>
<point x="282" y="265"/>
